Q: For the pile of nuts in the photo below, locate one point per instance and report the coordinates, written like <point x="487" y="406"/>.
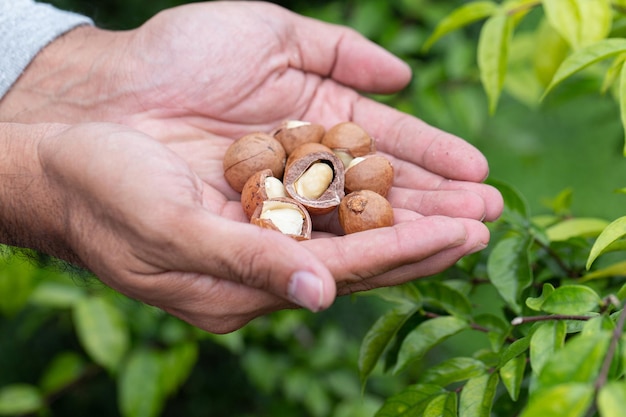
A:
<point x="301" y="169"/>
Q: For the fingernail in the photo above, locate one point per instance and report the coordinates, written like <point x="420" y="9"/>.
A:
<point x="306" y="289"/>
<point x="477" y="248"/>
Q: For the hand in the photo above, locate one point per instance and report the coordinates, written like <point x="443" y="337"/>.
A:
<point x="182" y="81"/>
<point x="126" y="207"/>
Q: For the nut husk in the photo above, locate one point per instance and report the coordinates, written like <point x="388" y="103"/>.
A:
<point x="364" y="210"/>
<point x="349" y="138"/>
<point x="301" y="159"/>
<point x="372" y="172"/>
<point x="293" y="133"/>
<point x="283" y="202"/>
<point x="251" y="154"/>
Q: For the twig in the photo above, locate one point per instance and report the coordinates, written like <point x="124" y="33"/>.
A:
<point x="521" y="320"/>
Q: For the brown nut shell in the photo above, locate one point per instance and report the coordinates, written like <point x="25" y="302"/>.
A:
<point x="364" y="210"/>
<point x="301" y="159"/>
<point x="374" y="172"/>
<point x="305" y="233"/>
<point x="293" y="133"/>
<point x="250" y="154"/>
<point x="350" y="138"/>
<point x="254" y="191"/>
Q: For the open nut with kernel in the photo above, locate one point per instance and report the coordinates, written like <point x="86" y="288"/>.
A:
<point x="284" y="215"/>
<point x="314" y="176"/>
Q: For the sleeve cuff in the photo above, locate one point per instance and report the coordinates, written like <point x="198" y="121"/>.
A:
<point x="26" y="28"/>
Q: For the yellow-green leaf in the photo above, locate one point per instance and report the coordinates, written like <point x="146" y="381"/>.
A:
<point x="565" y="400"/>
<point x="493" y="51"/>
<point x="512" y="375"/>
<point x="460" y="17"/>
<point x="611" y="399"/>
<point x="18" y="399"/>
<point x="613" y="72"/>
<point x="611" y="233"/>
<point x="565" y="18"/>
<point x="571" y="299"/>
<point x="577" y="227"/>
<point x="547" y="339"/>
<point x="585" y="57"/>
<point x="477" y="396"/>
<point x="616" y="269"/>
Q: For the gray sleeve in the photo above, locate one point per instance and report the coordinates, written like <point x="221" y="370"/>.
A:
<point x="25" y="28"/>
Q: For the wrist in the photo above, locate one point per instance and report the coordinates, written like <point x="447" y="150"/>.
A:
<point x="30" y="215"/>
<point x="67" y="81"/>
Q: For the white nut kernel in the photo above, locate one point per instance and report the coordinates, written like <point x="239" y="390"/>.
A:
<point x="286" y="217"/>
<point x="314" y="181"/>
<point x="274" y="188"/>
<point x="354" y="162"/>
<point x="292" y="124"/>
<point x="344" y="157"/>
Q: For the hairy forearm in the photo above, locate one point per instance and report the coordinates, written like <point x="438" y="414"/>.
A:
<point x="69" y="81"/>
<point x="30" y="217"/>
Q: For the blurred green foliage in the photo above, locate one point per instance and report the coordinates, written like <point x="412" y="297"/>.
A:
<point x="293" y="362"/>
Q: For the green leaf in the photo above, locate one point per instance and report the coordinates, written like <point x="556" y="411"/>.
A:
<point x="553" y="51"/>
<point x="444" y="405"/>
<point x="102" y="331"/>
<point x="57" y="294"/>
<point x="596" y="21"/>
<point x="579" y="360"/>
<point x="611" y="399"/>
<point x="460" y="17"/>
<point x="443" y="296"/>
<point x="515" y="349"/>
<point x="547" y="339"/>
<point x="380" y="336"/>
<point x="65" y="369"/>
<point x="516" y="209"/>
<point x="622" y="102"/>
<point x="493" y="48"/>
<point x="564" y="400"/>
<point x="178" y="362"/>
<point x="535" y="303"/>
<point x="477" y="396"/>
<point x="411" y="402"/>
<point x="425" y="336"/>
<point x="578" y="227"/>
<point x="453" y="370"/>
<point x="18" y="399"/>
<point x="585" y="57"/>
<point x="613" y="72"/>
<point x="614" y="231"/>
<point x="139" y="390"/>
<point x="571" y="299"/>
<point x="565" y="18"/>
<point x="512" y="375"/>
<point x="508" y="268"/>
<point x="17" y="282"/>
<point x="617" y="269"/>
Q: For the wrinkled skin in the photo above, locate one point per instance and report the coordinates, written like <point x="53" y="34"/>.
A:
<point x="154" y="217"/>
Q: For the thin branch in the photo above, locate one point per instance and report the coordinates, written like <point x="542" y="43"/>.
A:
<point x="610" y="353"/>
<point x="530" y="319"/>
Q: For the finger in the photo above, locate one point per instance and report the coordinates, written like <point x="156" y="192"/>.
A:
<point x="346" y="56"/>
<point x="453" y="203"/>
<point x="357" y="257"/>
<point x="477" y="239"/>
<point x="253" y="256"/>
<point x="411" y="176"/>
<point x="407" y="138"/>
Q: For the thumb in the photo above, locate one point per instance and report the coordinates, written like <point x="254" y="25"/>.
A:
<point x="256" y="257"/>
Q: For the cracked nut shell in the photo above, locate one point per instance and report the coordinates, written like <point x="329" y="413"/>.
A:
<point x="283" y="203"/>
<point x="300" y="160"/>
<point x="349" y="138"/>
<point x="371" y="172"/>
<point x="255" y="191"/>
<point x="293" y="133"/>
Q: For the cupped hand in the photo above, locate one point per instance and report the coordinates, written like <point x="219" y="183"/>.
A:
<point x="169" y="230"/>
<point x="135" y="214"/>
